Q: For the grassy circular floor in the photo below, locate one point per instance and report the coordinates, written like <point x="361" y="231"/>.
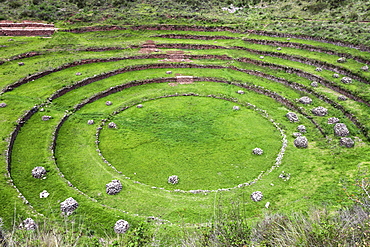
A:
<point x="202" y="140"/>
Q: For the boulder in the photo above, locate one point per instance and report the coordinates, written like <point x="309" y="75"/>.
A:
<point x="257" y="196"/>
<point x="44" y="194"/>
<point x="173" y="179"/>
<point x="346" y="80"/>
<point x="68" y="206"/>
<point x="257" y="151"/>
<point x="38" y="172"/>
<point x="340" y="129"/>
<point x="112" y="125"/>
<point x="90" y="122"/>
<point x="121" y="226"/>
<point x="319" y="111"/>
<point x="292" y="117"/>
<point x="301" y="142"/>
<point x="284" y="176"/>
<point x="296" y="134"/>
<point x="28" y="224"/>
<point x="342" y="97"/>
<point x="365" y="68"/>
<point x="342" y="60"/>
<point x="314" y="84"/>
<point x="236" y="108"/>
<point x="335" y="76"/>
<point x="2" y="105"/>
<point x="301" y="128"/>
<point x="113" y="187"/>
<point x="333" y="120"/>
<point x="108" y="103"/>
<point x="305" y="100"/>
<point x="347" y="142"/>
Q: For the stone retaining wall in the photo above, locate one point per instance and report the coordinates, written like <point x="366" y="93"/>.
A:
<point x="26" y="32"/>
<point x="94" y="29"/>
<point x="25" y="24"/>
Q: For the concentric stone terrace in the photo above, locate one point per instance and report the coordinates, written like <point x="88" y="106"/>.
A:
<point x="107" y="123"/>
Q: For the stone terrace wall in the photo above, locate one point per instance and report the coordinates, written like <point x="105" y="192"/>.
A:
<point x="25" y="24"/>
<point x="26" y="29"/>
<point x="94" y="29"/>
<point x="26" y="32"/>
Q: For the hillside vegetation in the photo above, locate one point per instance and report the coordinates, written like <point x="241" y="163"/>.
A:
<point x="344" y="20"/>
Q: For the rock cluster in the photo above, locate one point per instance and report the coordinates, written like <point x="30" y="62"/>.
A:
<point x="113" y="187"/>
<point x="333" y="120"/>
<point x="305" y="100"/>
<point x="319" y="111"/>
<point x="235" y="108"/>
<point x="45" y="118"/>
<point x="335" y="76"/>
<point x="365" y="68"/>
<point x="241" y="92"/>
<point x="38" y="172"/>
<point x="346" y="80"/>
<point x="342" y="97"/>
<point x="301" y="128"/>
<point x="28" y="224"/>
<point x="347" y="142"/>
<point x="318" y="69"/>
<point x="258" y="151"/>
<point x="340" y="129"/>
<point x="68" y="206"/>
<point x="314" y="84"/>
<point x="121" y="226"/>
<point x="108" y="103"/>
<point x="292" y="117"/>
<point x="173" y="179"/>
<point x="257" y="196"/>
<point x="44" y="194"/>
<point x="112" y="125"/>
<point x="90" y="122"/>
<point x="2" y="105"/>
<point x="341" y="60"/>
<point x="301" y="142"/>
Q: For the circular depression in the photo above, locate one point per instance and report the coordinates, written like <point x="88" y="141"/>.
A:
<point x="202" y="140"/>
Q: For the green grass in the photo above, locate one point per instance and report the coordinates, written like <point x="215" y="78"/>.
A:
<point x="200" y="139"/>
<point x="190" y="137"/>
